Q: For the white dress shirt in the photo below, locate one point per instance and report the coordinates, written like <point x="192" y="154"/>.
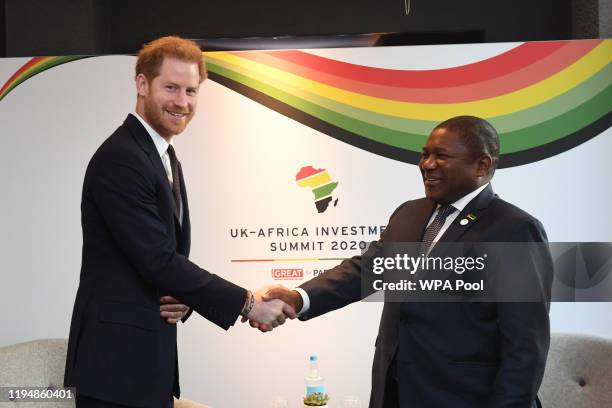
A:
<point x="162" y="149"/>
<point x="459" y="205"/>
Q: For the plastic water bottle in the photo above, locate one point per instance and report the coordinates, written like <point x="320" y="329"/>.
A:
<point x="314" y="381"/>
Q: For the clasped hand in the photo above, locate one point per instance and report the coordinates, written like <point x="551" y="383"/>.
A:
<point x="273" y="305"/>
<point x="172" y="309"/>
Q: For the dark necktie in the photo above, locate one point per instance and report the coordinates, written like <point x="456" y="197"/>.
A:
<point x="434" y="228"/>
<point x="176" y="182"/>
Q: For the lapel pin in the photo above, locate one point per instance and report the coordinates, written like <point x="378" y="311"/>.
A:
<point x="467" y="219"/>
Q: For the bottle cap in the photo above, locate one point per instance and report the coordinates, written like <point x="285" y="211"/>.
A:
<point x="313" y="358"/>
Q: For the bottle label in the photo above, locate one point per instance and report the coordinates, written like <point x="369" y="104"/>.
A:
<point x="313" y="389"/>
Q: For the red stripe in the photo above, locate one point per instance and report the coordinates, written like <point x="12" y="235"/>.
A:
<point x="307" y="172"/>
<point x="494" y="67"/>
<point x="530" y="74"/>
<point x="20" y="71"/>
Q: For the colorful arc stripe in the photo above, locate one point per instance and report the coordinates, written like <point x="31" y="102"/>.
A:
<point x="33" y="67"/>
<point x="502" y="104"/>
<point x="554" y="58"/>
<point x="543" y="97"/>
<point x="508" y="62"/>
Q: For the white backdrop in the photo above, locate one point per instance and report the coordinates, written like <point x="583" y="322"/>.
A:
<point x="240" y="160"/>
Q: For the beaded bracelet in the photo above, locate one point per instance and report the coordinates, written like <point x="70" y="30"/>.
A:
<point x="248" y="304"/>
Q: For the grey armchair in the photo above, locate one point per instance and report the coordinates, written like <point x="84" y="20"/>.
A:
<point x="40" y="363"/>
<point x="578" y="372"/>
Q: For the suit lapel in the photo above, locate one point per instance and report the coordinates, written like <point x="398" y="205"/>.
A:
<point x="144" y="140"/>
<point x="413" y="227"/>
<point x="453" y="234"/>
<point x="410" y="228"/>
<point x="186" y="226"/>
<point x="473" y="213"/>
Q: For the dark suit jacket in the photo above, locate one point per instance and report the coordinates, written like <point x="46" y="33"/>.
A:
<point x="459" y="355"/>
<point x="135" y="251"/>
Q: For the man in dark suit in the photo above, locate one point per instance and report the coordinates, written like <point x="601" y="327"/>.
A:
<point x="136" y="240"/>
<point x="441" y="354"/>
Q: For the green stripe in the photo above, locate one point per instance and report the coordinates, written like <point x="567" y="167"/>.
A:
<point x="506" y="123"/>
<point x="421" y="127"/>
<point x="43" y="67"/>
<point x="324" y="191"/>
<point x="403" y="140"/>
<point x="525" y="138"/>
<point x="558" y="127"/>
<point x="556" y="106"/>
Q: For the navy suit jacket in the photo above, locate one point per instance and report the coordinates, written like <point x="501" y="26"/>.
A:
<point x="135" y="251"/>
<point x="463" y="354"/>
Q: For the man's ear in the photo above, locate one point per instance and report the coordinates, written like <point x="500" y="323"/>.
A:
<point x="483" y="165"/>
<point x="142" y="85"/>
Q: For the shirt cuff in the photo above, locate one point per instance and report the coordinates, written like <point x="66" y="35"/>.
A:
<point x="305" y="300"/>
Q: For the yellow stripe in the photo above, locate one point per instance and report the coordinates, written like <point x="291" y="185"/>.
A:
<point x="527" y="97"/>
<point x="315" y="181"/>
<point x="25" y="75"/>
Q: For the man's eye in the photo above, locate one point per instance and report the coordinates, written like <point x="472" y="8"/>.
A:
<point x="192" y="92"/>
<point x="170" y="87"/>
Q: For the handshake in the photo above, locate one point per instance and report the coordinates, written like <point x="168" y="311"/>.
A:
<point x="265" y="309"/>
<point x="272" y="305"/>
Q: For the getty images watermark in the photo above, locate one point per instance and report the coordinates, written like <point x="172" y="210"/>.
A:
<point x="488" y="272"/>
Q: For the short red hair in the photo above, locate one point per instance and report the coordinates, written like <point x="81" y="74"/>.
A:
<point x="151" y="56"/>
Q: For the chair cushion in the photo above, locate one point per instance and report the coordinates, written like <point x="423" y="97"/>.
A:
<point x="578" y="372"/>
<point x="38" y="363"/>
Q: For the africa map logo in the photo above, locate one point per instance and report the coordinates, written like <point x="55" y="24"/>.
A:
<point x="321" y="184"/>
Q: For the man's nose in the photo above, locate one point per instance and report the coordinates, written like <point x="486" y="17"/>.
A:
<point x="428" y="163"/>
<point x="181" y="99"/>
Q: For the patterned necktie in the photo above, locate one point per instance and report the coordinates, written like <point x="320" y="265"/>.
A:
<point x="176" y="183"/>
<point x="434" y="228"/>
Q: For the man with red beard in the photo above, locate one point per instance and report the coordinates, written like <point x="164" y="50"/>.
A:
<point x="136" y="240"/>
